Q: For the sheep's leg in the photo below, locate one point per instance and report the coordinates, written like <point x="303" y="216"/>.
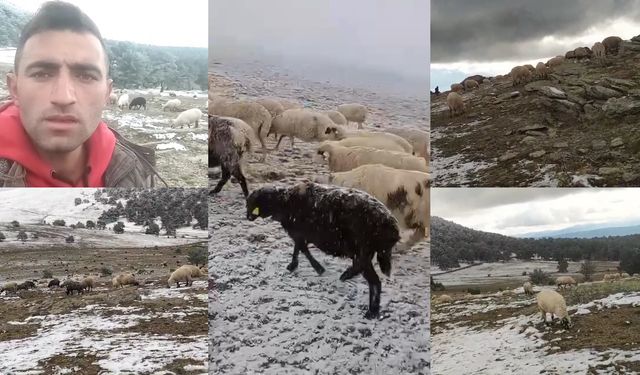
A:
<point x="291" y="141"/>
<point x="375" y="288"/>
<point x="314" y="263"/>
<point x="294" y="261"/>
<point x="359" y="125"/>
<point x="279" y="140"/>
<point x="226" y="175"/>
<point x="349" y="273"/>
<point x="237" y="173"/>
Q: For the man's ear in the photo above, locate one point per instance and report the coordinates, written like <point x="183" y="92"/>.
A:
<point x="12" y="84"/>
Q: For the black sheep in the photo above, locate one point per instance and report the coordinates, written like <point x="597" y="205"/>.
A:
<point x="72" y="285"/>
<point x="138" y="103"/>
<point x="340" y="222"/>
<point x="54" y="282"/>
<point x="26" y="285"/>
<point x="226" y="153"/>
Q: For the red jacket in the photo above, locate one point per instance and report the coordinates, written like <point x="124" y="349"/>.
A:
<point x="16" y="145"/>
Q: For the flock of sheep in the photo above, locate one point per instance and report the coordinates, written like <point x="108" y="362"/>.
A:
<point x="184" y="273"/>
<point x="186" y="117"/>
<point x="379" y="182"/>
<point x="550" y="301"/>
<point x="524" y="73"/>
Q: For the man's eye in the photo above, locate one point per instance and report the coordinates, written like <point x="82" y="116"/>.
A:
<point x="87" y="77"/>
<point x="41" y="75"/>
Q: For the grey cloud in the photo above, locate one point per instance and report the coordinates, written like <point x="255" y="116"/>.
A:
<point x="495" y="30"/>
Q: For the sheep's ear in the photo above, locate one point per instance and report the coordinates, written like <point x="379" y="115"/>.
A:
<point x="256" y="211"/>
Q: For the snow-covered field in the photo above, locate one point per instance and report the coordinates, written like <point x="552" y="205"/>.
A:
<point x="265" y="319"/>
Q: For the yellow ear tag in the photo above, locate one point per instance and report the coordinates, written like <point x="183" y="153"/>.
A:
<point x="256" y="211"/>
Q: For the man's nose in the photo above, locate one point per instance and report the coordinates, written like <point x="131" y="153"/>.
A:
<point x="63" y="90"/>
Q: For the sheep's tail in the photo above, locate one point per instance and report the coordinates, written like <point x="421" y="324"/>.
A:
<point x="384" y="260"/>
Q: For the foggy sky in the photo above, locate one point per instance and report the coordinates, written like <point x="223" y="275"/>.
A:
<point x="497" y="30"/>
<point x="515" y="211"/>
<point x="383" y="34"/>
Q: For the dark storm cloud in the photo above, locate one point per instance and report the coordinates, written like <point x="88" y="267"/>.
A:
<point x="496" y="30"/>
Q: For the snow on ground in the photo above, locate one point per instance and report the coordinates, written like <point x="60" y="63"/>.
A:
<point x="93" y="329"/>
<point x="516" y="347"/>
<point x="265" y="319"/>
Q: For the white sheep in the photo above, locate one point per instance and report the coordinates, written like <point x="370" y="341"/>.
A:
<point x="528" y="288"/>
<point x="180" y="275"/>
<point x="123" y="279"/>
<point x="471" y="84"/>
<point x="550" y="301"/>
<point x="542" y="71"/>
<point x="456" y="87"/>
<point x="113" y="98"/>
<point x="611" y="277"/>
<point x="419" y="139"/>
<point x="564" y="281"/>
<point x="9" y="287"/>
<point x="250" y="112"/>
<point x="354" y="112"/>
<point x="274" y="107"/>
<point x="379" y="143"/>
<point x="405" y="193"/>
<point x="520" y="74"/>
<point x="337" y="117"/>
<point x="455" y="103"/>
<point x="444" y="298"/>
<point x="555" y="61"/>
<point x="229" y="140"/>
<point x="342" y="158"/>
<point x="188" y="117"/>
<point x="89" y="283"/>
<point x="344" y="133"/>
<point x="123" y="101"/>
<point x="172" y="105"/>
<point x="599" y="51"/>
<point x="195" y="270"/>
<point x="304" y="124"/>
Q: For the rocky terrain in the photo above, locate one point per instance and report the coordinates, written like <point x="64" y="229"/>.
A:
<point x="576" y="128"/>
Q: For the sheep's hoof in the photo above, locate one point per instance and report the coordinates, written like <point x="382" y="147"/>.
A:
<point x="371" y="315"/>
<point x="319" y="270"/>
<point x="292" y="266"/>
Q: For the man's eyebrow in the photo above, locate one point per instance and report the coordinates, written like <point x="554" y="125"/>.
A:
<point x="78" y="67"/>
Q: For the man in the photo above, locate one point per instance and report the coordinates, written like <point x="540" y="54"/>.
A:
<point x="51" y="134"/>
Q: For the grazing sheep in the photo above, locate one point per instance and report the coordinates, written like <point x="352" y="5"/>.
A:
<point x="343" y="133"/>
<point x="340" y="222"/>
<point x="72" y="285"/>
<point x="528" y="288"/>
<point x="342" y="158"/>
<point x="542" y="71"/>
<point x="54" y="282"/>
<point x="456" y="87"/>
<point x="555" y="61"/>
<point x="179" y="275"/>
<point x="195" y="270"/>
<point x="9" y="287"/>
<point x="354" y="112"/>
<point x="89" y="283"/>
<point x="304" y="124"/>
<point x="520" y="74"/>
<point x="138" y="103"/>
<point x="455" y="103"/>
<point x="274" y="107"/>
<point x="26" y="285"/>
<point x="624" y="275"/>
<point x="611" y="277"/>
<point x="612" y="44"/>
<point x="471" y="84"/>
<point x="172" y="105"/>
<point x="123" y="279"/>
<point x="564" y="281"/>
<point x="441" y="299"/>
<point x="113" y="98"/>
<point x="550" y="301"/>
<point x="123" y="101"/>
<point x="581" y="52"/>
<point x="250" y="112"/>
<point x="337" y="117"/>
<point x="599" y="51"/>
<point x="419" y="139"/>
<point x="404" y="193"/>
<point x="187" y="117"/>
<point x="227" y="145"/>
<point x="379" y="143"/>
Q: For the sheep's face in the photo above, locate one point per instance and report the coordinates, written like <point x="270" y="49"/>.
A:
<point x="263" y="202"/>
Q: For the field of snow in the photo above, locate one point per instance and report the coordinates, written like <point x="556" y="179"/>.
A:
<point x="265" y="319"/>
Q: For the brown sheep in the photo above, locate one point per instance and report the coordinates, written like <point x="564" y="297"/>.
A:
<point x="455" y="103"/>
<point x="612" y="44"/>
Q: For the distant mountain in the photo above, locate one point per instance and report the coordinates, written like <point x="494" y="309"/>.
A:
<point x="574" y="232"/>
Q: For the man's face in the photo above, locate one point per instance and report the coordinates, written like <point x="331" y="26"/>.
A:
<point x="61" y="88"/>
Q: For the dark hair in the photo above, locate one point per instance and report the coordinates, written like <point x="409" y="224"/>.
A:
<point x="58" y="15"/>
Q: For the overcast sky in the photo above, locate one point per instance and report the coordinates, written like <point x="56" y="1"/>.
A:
<point x="515" y="211"/>
<point x="162" y="23"/>
<point x="385" y="34"/>
<point x="489" y="37"/>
